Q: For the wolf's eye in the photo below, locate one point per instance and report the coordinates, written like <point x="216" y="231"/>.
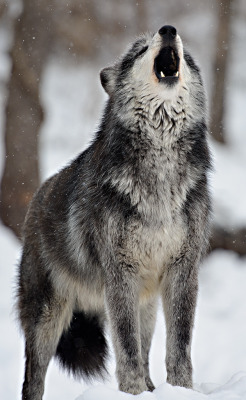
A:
<point x="142" y="51"/>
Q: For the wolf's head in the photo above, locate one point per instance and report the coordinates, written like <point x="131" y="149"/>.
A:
<point x="155" y="70"/>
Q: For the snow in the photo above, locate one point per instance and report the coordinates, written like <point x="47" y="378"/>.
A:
<point x="219" y="344"/>
<point x="234" y="389"/>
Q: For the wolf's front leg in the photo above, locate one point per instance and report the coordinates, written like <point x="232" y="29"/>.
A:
<point x="147" y="323"/>
<point x="123" y="308"/>
<point x="179" y="300"/>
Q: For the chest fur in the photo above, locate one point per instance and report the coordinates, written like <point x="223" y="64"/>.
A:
<point x="158" y="190"/>
<point x="152" y="248"/>
<point x="158" y="183"/>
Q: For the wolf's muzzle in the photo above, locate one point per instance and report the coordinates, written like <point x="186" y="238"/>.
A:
<point x="166" y="64"/>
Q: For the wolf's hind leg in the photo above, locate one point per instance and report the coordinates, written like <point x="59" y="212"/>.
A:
<point x="42" y="339"/>
<point x="147" y="325"/>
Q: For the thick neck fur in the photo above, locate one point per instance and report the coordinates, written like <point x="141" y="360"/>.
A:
<point x="148" y="156"/>
<point x="161" y="120"/>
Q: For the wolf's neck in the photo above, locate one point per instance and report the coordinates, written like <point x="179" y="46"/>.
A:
<point x="164" y="120"/>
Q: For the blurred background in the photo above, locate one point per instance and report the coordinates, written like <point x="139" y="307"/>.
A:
<point x="51" y="52"/>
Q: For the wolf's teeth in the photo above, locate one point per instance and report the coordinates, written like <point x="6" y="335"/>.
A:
<point x="177" y="73"/>
<point x="162" y="75"/>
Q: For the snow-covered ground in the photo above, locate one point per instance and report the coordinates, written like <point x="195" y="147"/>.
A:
<point x="219" y="345"/>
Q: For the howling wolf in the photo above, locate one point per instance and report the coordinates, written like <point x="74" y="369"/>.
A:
<point x="126" y="222"/>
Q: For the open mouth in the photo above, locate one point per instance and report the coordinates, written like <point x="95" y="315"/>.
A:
<point x="166" y="64"/>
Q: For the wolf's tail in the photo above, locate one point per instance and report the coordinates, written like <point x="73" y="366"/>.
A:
<point x="83" y="349"/>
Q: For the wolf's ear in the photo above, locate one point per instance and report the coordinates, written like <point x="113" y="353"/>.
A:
<point x="108" y="79"/>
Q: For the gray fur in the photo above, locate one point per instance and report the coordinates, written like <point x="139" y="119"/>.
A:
<point x="124" y="223"/>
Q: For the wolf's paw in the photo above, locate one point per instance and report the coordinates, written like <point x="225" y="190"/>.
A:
<point x="134" y="387"/>
<point x="149" y="384"/>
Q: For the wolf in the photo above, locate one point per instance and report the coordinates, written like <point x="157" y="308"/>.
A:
<point x="125" y="223"/>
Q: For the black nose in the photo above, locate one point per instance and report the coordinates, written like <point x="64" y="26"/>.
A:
<point x="168" y="31"/>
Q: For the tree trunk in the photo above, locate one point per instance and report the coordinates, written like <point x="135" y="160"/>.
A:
<point x="220" y="69"/>
<point x="24" y="113"/>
